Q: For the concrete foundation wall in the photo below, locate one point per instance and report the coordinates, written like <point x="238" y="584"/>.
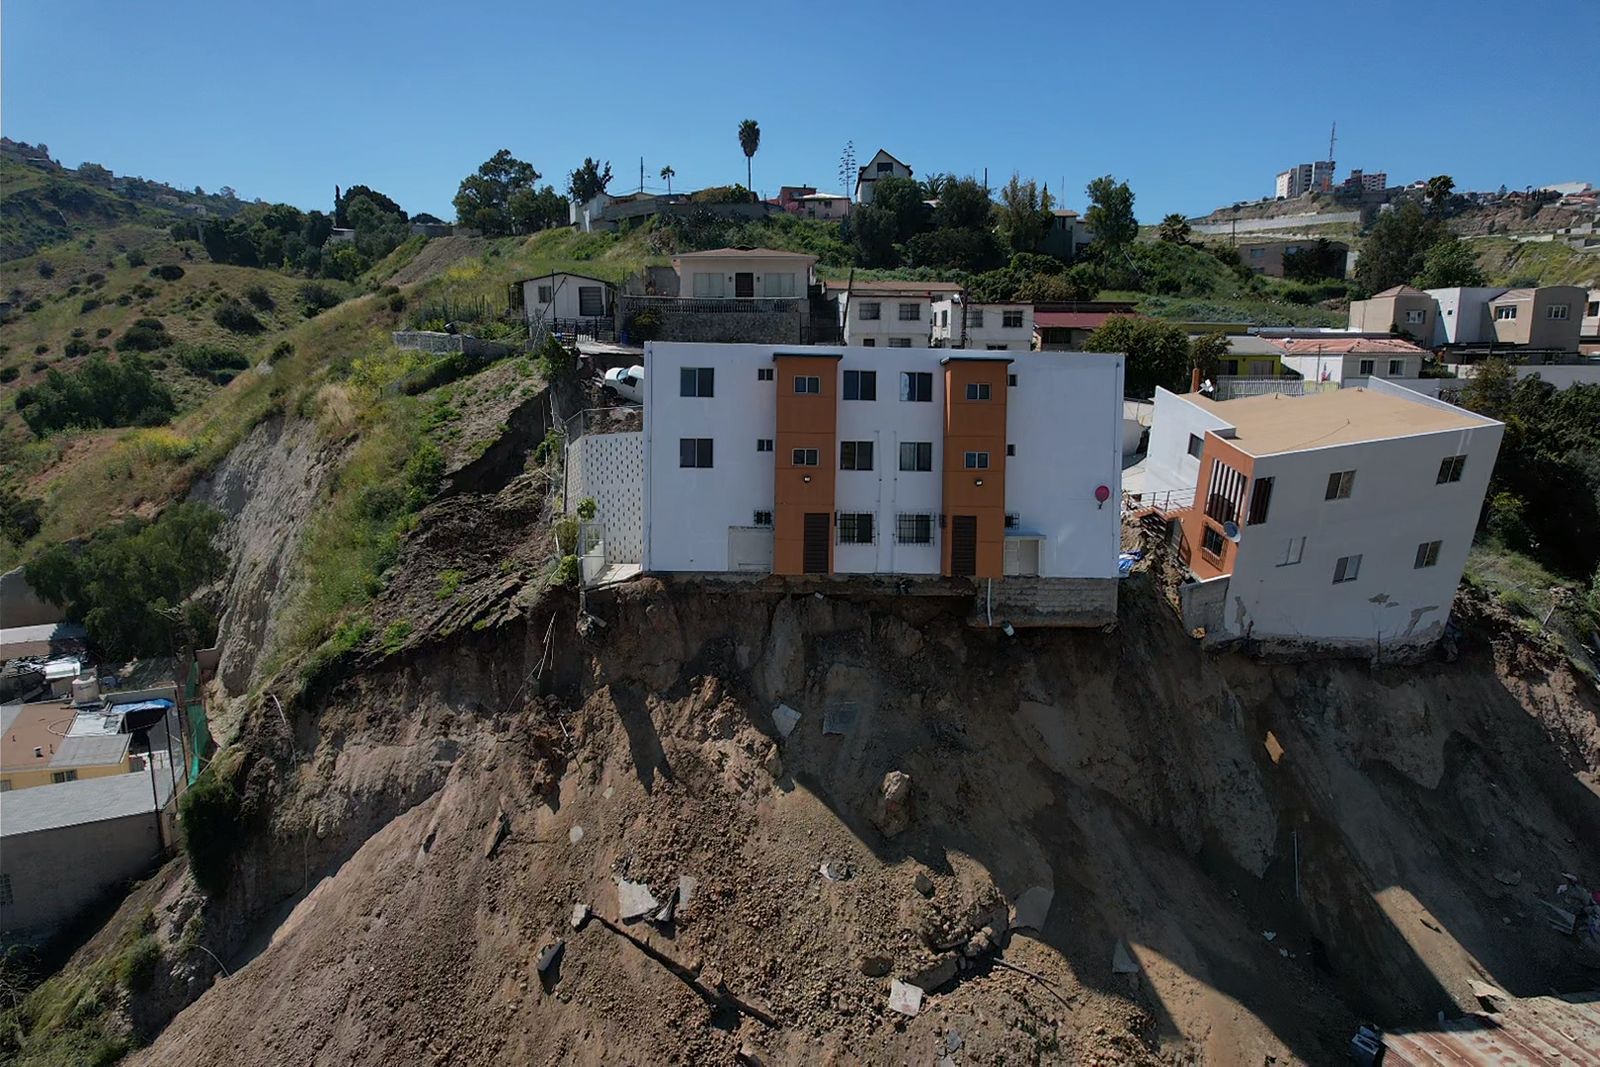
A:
<point x="21" y="606"/>
<point x="56" y="874"/>
<point x="770" y="328"/>
<point x="1038" y="602"/>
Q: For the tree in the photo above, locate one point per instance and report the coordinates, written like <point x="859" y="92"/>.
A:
<point x="667" y="174"/>
<point x="934" y="185"/>
<point x="896" y="214"/>
<point x="1449" y="263"/>
<point x="1175" y="229"/>
<point x="1438" y="191"/>
<point x="1158" y="352"/>
<point x="589" y="180"/>
<point x="963" y="205"/>
<point x="749" y="141"/>
<point x="1024" y="214"/>
<point x="1313" y="263"/>
<point x="848" y="172"/>
<point x="1110" y="214"/>
<point x="957" y="248"/>
<point x="531" y="211"/>
<point x="341" y="201"/>
<point x="484" y="198"/>
<point x="1395" y="249"/>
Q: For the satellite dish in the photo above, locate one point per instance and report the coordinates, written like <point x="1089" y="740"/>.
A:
<point x="1230" y="530"/>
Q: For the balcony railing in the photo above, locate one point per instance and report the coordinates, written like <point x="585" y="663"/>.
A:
<point x="1163" y="501"/>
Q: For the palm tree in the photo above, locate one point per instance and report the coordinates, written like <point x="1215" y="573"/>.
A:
<point x="667" y="174"/>
<point x="1175" y="229"/>
<point x="749" y="140"/>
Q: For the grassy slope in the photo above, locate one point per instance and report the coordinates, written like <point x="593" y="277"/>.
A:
<point x="1548" y="262"/>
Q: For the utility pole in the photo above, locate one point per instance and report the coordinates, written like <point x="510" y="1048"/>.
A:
<point x="641" y="174"/>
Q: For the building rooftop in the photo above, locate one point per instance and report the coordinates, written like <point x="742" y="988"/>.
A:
<point x="896" y="285"/>
<point x="42" y="640"/>
<point x="1399" y="290"/>
<point x="53" y="807"/>
<point x="1515" y="294"/>
<point x="50" y="727"/>
<point x="1244" y="344"/>
<point x="1274" y="424"/>
<point x="1335" y="346"/>
<point x="745" y="253"/>
<point x="1077" y="320"/>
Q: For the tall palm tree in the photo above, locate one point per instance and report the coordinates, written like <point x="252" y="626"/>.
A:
<point x="749" y="140"/>
<point x="667" y="174"/>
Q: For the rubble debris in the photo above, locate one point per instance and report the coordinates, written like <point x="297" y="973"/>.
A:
<point x="1508" y="877"/>
<point x="980" y="944"/>
<point x="497" y="834"/>
<point x="1560" y="919"/>
<point x="937" y="974"/>
<point x="580" y="915"/>
<point x="687" y="884"/>
<point x="875" y="966"/>
<point x="1274" y="747"/>
<point x="1270" y="935"/>
<point x="1032" y="908"/>
<point x="785" y="719"/>
<point x="748" y="1056"/>
<point x="953" y="1041"/>
<point x="575" y="834"/>
<point x="549" y="955"/>
<point x="1122" y="961"/>
<point x="1488" y="994"/>
<point x="634" y="900"/>
<point x="905" y="998"/>
<point x="834" y="870"/>
<point x="772" y="762"/>
<point x="668" y="911"/>
<point x="839" y="719"/>
<point x="923" y="884"/>
<point x="893" y="812"/>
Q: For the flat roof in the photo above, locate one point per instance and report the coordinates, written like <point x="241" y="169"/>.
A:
<point x="745" y="253"/>
<point x="1275" y="424"/>
<point x="48" y="725"/>
<point x="89" y="800"/>
<point x="871" y="286"/>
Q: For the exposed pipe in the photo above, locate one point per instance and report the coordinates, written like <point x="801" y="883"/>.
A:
<point x="988" y="607"/>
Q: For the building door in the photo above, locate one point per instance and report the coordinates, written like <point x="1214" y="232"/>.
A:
<point x="814" y="557"/>
<point x="963" y="545"/>
<point x="591" y="301"/>
<point x="744" y="284"/>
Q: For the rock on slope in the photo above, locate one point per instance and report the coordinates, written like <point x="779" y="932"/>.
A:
<point x="456" y="804"/>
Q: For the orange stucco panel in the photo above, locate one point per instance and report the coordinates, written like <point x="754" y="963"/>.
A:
<point x="1194" y="521"/>
<point x="976" y="425"/>
<point x="805" y="421"/>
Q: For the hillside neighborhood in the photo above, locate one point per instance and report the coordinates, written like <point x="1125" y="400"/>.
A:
<point x="897" y="618"/>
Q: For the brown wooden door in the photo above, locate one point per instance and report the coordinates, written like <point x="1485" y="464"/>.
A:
<point x="744" y="285"/>
<point x="963" y="545"/>
<point x="814" y="559"/>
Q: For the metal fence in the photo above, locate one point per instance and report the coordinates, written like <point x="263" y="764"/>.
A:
<point x="1231" y="387"/>
<point x="1163" y="501"/>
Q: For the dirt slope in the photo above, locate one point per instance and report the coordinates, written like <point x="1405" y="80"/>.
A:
<point x="454" y="806"/>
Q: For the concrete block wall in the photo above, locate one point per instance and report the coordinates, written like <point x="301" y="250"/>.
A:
<point x="764" y="327"/>
<point x="1040" y="602"/>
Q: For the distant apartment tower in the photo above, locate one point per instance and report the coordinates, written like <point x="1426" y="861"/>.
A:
<point x="1304" y="178"/>
<point x="1376" y="182"/>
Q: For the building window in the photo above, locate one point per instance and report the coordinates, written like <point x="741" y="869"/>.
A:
<point x="1211" y="542"/>
<point x="1450" y="469"/>
<point x="998" y="348"/>
<point x="976" y="461"/>
<point x="885" y="168"/>
<point x="975" y="317"/>
<point x="1225" y="495"/>
<point x="763" y="374"/>
<point x="1339" y="485"/>
<point x="855" y="527"/>
<point x="1011" y="320"/>
<point x="6" y="897"/>
<point x="762" y="518"/>
<point x="913" y="529"/>
<point x="777" y="286"/>
<point x="977" y="390"/>
<point x="916" y="455"/>
<point x="1011" y="450"/>
<point x="870" y="311"/>
<point x="899" y="342"/>
<point x="57" y="777"/>
<point x="546" y="294"/>
<point x="1368" y="366"/>
<point x="764" y="444"/>
<point x="1427" y="554"/>
<point x="1013" y="520"/>
<point x="806" y="457"/>
<point x="1260" y="501"/>
<point x="694" y="451"/>
<point x="1293" y="551"/>
<point x="1506" y="311"/>
<point x="5" y="785"/>
<point x="944" y="317"/>
<point x="1593" y="309"/>
<point x="1397" y="367"/>
<point x="1011" y="379"/>
<point x="1346" y="569"/>
<point x="910" y="312"/>
<point x="697" y="381"/>
<point x="869" y="342"/>
<point x="807" y="384"/>
<point x="710" y="286"/>
<point x="855" y="455"/>
<point x="1255" y="253"/>
<point x="1196" y="446"/>
<point x="1416" y="315"/>
<point x="1556" y="311"/>
<point x="916" y="385"/>
<point x="861" y="385"/>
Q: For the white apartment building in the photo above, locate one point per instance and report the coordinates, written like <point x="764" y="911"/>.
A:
<point x="1304" y="178"/>
<point x="1341" y="519"/>
<point x="891" y="314"/>
<point x="863" y="461"/>
<point x="984" y="327"/>
<point x="1463" y="317"/>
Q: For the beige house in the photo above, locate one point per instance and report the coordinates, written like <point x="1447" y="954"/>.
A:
<point x="1401" y="309"/>
<point x="1266" y="257"/>
<point x="743" y="274"/>
<point x="1549" y="317"/>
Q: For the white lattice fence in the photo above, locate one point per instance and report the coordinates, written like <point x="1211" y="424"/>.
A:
<point x="610" y="468"/>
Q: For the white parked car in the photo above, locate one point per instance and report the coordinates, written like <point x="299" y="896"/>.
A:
<point x="624" y="383"/>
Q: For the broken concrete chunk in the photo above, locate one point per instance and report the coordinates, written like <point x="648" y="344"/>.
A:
<point x="497" y="833"/>
<point x="923" y="884"/>
<point x="687" y="884"/>
<point x="1508" y="877"/>
<point x="772" y="762"/>
<point x="668" y="910"/>
<point x="1032" y="908"/>
<point x="893" y="812"/>
<point x="839" y="719"/>
<point x="580" y="915"/>
<point x="785" y="719"/>
<point x="875" y="966"/>
<point x="938" y="974"/>
<point x="575" y="834"/>
<point x="551" y="953"/>
<point x="834" y="870"/>
<point x="1122" y="961"/>
<point x="634" y="900"/>
<point x="904" y="998"/>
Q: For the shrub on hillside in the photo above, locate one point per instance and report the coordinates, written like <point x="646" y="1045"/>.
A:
<point x="102" y="332"/>
<point x="260" y="298"/>
<point x="167" y="272"/>
<point x="210" y="814"/>
<point x="135" y="258"/>
<point x="397" y="303"/>
<point x="9" y="374"/>
<point x="33" y="305"/>
<point x="19" y="515"/>
<point x="95" y="395"/>
<point x="234" y="316"/>
<point x="145" y="335"/>
<point x="214" y="363"/>
<point x="315" y="298"/>
<point x="88" y="305"/>
<point x="45" y="268"/>
<point x="76" y="347"/>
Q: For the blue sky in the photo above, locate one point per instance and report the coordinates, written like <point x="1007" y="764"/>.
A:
<point x="1195" y="104"/>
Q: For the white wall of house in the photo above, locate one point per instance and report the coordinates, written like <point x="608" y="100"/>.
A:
<point x="1172" y="423"/>
<point x="881" y="165"/>
<point x="567" y="298"/>
<point x="1063" y="417"/>
<point x="888" y="325"/>
<point x="1346" y="368"/>
<point x="1462" y="317"/>
<point x="985" y="326"/>
<point x="824" y="206"/>
<point x="785" y="277"/>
